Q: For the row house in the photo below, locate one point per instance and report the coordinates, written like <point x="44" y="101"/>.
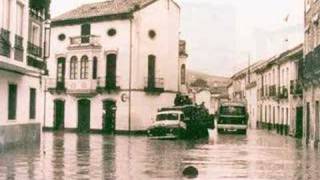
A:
<point x="244" y="88"/>
<point x="112" y="64"/>
<point x="311" y="64"/>
<point x="280" y="93"/>
<point x="22" y="64"/>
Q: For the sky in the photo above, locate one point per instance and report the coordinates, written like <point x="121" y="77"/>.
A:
<point x="224" y="36"/>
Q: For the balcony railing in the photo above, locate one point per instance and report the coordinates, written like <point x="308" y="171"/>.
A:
<point x="272" y="91"/>
<point x="33" y="62"/>
<point x="85" y="40"/>
<point x="108" y="84"/>
<point x="153" y="84"/>
<point x="77" y="86"/>
<point x="295" y="87"/>
<point x="5" y="45"/>
<point x="283" y="92"/>
<point x="34" y="50"/>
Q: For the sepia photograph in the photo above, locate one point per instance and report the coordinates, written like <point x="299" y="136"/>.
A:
<point x="159" y="89"/>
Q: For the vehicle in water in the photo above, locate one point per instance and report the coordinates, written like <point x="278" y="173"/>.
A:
<point x="188" y="121"/>
<point x="232" y="116"/>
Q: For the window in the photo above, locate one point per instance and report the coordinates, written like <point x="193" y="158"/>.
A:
<point x="183" y="74"/>
<point x="112" y="32"/>
<point x="85" y="33"/>
<point x="32" y="105"/>
<point x="12" y="101"/>
<point x="73" y="67"/>
<point x="152" y="34"/>
<point x="19" y="21"/>
<point x="94" y="68"/>
<point x="84" y="67"/>
<point x="35" y="34"/>
<point x="6" y="14"/>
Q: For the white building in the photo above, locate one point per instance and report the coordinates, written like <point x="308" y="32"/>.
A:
<point x="113" y="64"/>
<point x="21" y="66"/>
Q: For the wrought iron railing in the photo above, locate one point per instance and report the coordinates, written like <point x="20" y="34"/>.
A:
<point x="153" y="83"/>
<point x="108" y="83"/>
<point x="34" y="50"/>
<point x="5" y="45"/>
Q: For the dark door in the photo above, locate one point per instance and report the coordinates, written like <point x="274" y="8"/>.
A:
<point x="83" y="115"/>
<point x="151" y="71"/>
<point x="299" y="122"/>
<point x="111" y="74"/>
<point x="317" y="121"/>
<point x="58" y="115"/>
<point x="308" y="123"/>
<point x="61" y="66"/>
<point x="109" y="116"/>
<point x="85" y="33"/>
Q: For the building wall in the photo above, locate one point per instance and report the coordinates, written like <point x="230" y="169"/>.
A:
<point x="21" y="130"/>
<point x="132" y="45"/>
<point x="311" y="88"/>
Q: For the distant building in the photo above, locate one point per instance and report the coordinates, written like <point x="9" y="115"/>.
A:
<point x="311" y="73"/>
<point x="21" y="66"/>
<point x="113" y="64"/>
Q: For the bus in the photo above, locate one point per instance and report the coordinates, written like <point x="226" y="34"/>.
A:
<point x="232" y="116"/>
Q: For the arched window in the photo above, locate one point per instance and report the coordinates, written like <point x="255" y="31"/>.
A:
<point x="94" y="68"/>
<point x="183" y="74"/>
<point x="73" y="67"/>
<point x="84" y="67"/>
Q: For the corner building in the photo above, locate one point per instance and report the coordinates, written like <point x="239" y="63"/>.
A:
<point x="21" y="68"/>
<point x="112" y="65"/>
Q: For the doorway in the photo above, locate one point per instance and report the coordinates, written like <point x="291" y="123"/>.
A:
<point x="308" y="123"/>
<point x="58" y="115"/>
<point x="109" y="116"/>
<point x="299" y="122"/>
<point x="317" y="121"/>
<point x="83" y="115"/>
<point x="111" y="71"/>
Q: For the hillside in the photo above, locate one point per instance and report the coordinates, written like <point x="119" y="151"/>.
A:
<point x="213" y="81"/>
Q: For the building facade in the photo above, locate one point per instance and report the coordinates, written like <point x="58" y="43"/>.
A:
<point x="280" y="93"/>
<point x="21" y="66"/>
<point x="113" y="64"/>
<point x="311" y="73"/>
<point x="273" y="93"/>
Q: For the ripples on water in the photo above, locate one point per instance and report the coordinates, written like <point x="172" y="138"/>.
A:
<point x="260" y="155"/>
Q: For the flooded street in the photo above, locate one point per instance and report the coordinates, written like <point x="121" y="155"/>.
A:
<point x="259" y="155"/>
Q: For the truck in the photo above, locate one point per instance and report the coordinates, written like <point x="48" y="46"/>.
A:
<point x="183" y="122"/>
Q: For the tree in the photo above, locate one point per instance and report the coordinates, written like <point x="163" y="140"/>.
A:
<point x="199" y="83"/>
<point x="40" y="6"/>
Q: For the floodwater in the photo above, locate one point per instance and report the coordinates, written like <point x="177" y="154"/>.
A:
<point x="259" y="155"/>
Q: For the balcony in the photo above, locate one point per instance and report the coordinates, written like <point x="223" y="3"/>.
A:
<point x="5" y="45"/>
<point x="77" y="87"/>
<point x="89" y="41"/>
<point x="155" y="85"/>
<point x="108" y="84"/>
<point x="272" y="91"/>
<point x="34" y="50"/>
<point x="296" y="88"/>
<point x="18" y="48"/>
<point x="283" y="92"/>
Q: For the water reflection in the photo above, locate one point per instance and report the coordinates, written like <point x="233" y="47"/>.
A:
<point x="259" y="155"/>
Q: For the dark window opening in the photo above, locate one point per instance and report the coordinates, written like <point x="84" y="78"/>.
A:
<point x="151" y="71"/>
<point x="85" y="33"/>
<point x="94" y="68"/>
<point x="32" y="105"/>
<point x="12" y="102"/>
